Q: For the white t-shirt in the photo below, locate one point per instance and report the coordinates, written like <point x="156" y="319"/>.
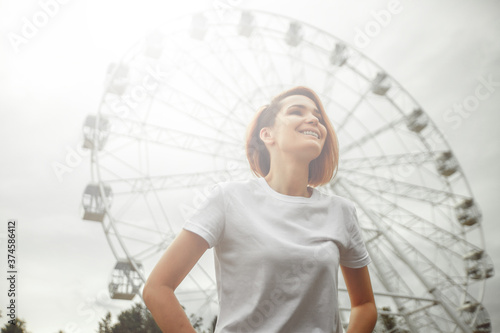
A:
<point x="277" y="256"/>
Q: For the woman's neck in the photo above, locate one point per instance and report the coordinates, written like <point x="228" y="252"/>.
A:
<point x="289" y="178"/>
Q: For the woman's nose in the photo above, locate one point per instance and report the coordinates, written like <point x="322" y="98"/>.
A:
<point x="311" y="119"/>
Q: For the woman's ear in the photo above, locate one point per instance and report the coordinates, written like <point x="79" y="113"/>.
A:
<point x="266" y="135"/>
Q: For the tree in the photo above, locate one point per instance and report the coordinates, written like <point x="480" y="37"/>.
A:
<point x="134" y="320"/>
<point x="387" y="320"/>
<point x="19" y="327"/>
<point x="105" y="325"/>
<point x="390" y="323"/>
<point x="138" y="319"/>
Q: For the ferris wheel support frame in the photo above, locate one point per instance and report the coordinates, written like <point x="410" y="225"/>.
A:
<point x="430" y="288"/>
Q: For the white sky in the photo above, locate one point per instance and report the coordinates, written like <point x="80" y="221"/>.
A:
<point x="437" y="50"/>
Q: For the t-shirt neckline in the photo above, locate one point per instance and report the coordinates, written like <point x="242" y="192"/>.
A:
<point x="290" y="198"/>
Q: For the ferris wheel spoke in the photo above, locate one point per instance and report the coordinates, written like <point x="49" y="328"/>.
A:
<point x="354" y="67"/>
<point x="241" y="77"/>
<point x="193" y="106"/>
<point x="390" y="277"/>
<point x="263" y="59"/>
<point x="441" y="243"/>
<point x="414" y="223"/>
<point x="385" y="186"/>
<point x="208" y="277"/>
<point x="154" y="218"/>
<point x="207" y="291"/>
<point x="429" y="285"/>
<point x="374" y="162"/>
<point x="273" y="35"/>
<point x="295" y="58"/>
<point x="114" y="146"/>
<point x="209" y="81"/>
<point x="419" y="226"/>
<point x="372" y="135"/>
<point x="116" y="105"/>
<point x="150" y="249"/>
<point x="426" y="165"/>
<point x="408" y="306"/>
<point x="134" y="238"/>
<point x="449" y="281"/>
<point x="327" y="91"/>
<point x="187" y="180"/>
<point x="154" y="249"/>
<point x="179" y="139"/>
<point x="342" y="86"/>
<point x="182" y="98"/>
<point x="210" y="296"/>
<point x="385" y="269"/>
<point x="428" y="231"/>
<point x="297" y="67"/>
<point x="131" y="224"/>
<point x="202" y="113"/>
<point x="135" y="128"/>
<point x="103" y="167"/>
<point x="351" y="114"/>
<point x="427" y="266"/>
<point x="139" y="248"/>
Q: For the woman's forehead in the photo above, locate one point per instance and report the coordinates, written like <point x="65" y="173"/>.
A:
<point x="298" y="100"/>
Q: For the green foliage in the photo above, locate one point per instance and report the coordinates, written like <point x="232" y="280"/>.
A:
<point x="134" y="320"/>
<point x="105" y="324"/>
<point x="19" y="327"/>
<point x="390" y="323"/>
<point x="387" y="320"/>
<point x="138" y="319"/>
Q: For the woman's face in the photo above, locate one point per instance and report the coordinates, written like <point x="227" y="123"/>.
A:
<point x="298" y="128"/>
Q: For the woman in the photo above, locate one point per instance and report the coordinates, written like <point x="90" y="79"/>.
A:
<point x="278" y="240"/>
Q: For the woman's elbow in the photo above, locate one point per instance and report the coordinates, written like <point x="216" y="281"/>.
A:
<point x="374" y="309"/>
<point x="367" y="310"/>
<point x="146" y="293"/>
<point x="152" y="291"/>
<point x="371" y="308"/>
<point x="149" y="291"/>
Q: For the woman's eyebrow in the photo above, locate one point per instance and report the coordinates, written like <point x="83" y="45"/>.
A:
<point x="303" y="107"/>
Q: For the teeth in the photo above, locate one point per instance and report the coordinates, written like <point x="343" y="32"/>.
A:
<point x="311" y="133"/>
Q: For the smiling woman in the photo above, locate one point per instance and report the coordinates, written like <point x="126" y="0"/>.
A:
<point x="297" y="103"/>
<point x="278" y="240"/>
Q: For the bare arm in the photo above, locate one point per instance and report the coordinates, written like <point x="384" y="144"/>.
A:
<point x="363" y="310"/>
<point x="171" y="269"/>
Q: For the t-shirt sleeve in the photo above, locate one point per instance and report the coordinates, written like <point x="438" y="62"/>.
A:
<point x="355" y="255"/>
<point x="208" y="218"/>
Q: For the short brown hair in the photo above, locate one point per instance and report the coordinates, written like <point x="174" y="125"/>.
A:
<point x="321" y="170"/>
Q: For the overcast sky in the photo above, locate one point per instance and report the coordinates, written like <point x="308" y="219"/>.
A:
<point x="437" y="50"/>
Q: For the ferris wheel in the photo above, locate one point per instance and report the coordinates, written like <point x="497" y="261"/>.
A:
<point x="171" y="123"/>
